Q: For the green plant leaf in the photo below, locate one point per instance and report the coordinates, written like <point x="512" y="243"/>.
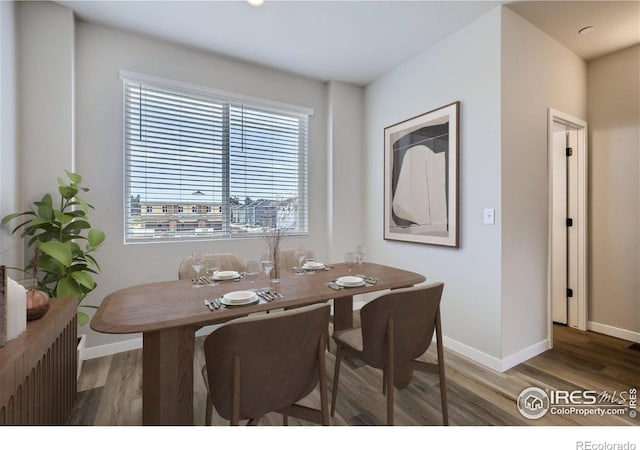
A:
<point x="67" y="286"/>
<point x="76" y="178"/>
<point x="92" y="260"/>
<point x="96" y="237"/>
<point x="47" y="264"/>
<point x="67" y="192"/>
<point x="83" y="203"/>
<point x="45" y="207"/>
<point x="10" y="217"/>
<point x="58" y="251"/>
<point x="76" y="226"/>
<point x="62" y="217"/>
<point x="83" y="318"/>
<point x="84" y="279"/>
<point x="61" y="181"/>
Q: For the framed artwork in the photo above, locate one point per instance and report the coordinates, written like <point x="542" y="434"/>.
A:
<point x="3" y="305"/>
<point x="421" y="178"/>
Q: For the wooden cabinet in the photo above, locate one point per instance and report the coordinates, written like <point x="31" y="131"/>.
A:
<point x="38" y="369"/>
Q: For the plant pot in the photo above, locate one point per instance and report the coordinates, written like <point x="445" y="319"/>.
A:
<point x="82" y="344"/>
<point x="37" y="304"/>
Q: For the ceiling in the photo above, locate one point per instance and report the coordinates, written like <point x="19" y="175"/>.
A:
<point x="617" y="24"/>
<point x="351" y="41"/>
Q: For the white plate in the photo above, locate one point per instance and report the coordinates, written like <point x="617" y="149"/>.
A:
<point x="225" y="275"/>
<point x="350" y="281"/>
<point x="239" y="297"/>
<point x="313" y="265"/>
<point x="248" y="302"/>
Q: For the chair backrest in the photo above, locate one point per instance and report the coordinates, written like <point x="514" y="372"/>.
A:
<point x="278" y="357"/>
<point x="224" y="261"/>
<point x="414" y="311"/>
<point x="287" y="257"/>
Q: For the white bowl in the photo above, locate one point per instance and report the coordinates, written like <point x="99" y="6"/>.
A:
<point x="312" y="265"/>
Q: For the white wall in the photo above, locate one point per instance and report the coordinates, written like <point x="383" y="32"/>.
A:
<point x="537" y="73"/>
<point x="10" y="249"/>
<point x="614" y="143"/>
<point x="345" y="148"/>
<point x="463" y="67"/>
<point x="100" y="53"/>
<point x="45" y="48"/>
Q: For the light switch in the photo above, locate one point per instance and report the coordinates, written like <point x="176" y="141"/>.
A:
<point x="489" y="216"/>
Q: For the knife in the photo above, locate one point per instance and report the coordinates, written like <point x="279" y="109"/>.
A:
<point x="208" y="303"/>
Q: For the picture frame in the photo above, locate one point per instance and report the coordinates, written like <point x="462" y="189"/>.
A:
<point x="421" y="188"/>
<point x="3" y="305"/>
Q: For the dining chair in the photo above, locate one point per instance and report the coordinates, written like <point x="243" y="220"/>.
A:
<point x="224" y="261"/>
<point x="287" y="258"/>
<point x="397" y="328"/>
<point x="267" y="363"/>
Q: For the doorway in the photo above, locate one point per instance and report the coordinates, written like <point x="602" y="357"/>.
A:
<point x="567" y="151"/>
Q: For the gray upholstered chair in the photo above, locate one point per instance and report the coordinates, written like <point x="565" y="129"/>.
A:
<point x="261" y="364"/>
<point x="396" y="329"/>
<point x="224" y="261"/>
<point x="288" y="259"/>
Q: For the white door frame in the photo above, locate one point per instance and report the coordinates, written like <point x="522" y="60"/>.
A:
<point x="580" y="290"/>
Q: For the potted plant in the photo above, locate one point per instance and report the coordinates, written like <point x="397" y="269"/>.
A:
<point x="63" y="242"/>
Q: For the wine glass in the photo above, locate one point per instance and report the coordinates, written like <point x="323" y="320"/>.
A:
<point x="267" y="267"/>
<point x="197" y="262"/>
<point x="360" y="254"/>
<point x="349" y="260"/>
<point x="211" y="268"/>
<point x="253" y="270"/>
<point x="300" y="256"/>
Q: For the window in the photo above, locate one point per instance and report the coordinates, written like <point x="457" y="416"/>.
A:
<point x="243" y="159"/>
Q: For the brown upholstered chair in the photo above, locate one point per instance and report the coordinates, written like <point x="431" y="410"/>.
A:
<point x="260" y="364"/>
<point x="396" y="329"/>
<point x="224" y="261"/>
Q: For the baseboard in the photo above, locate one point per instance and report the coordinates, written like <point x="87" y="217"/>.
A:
<point x="474" y="354"/>
<point x="527" y="353"/>
<point x="619" y="333"/>
<point x="111" y="349"/>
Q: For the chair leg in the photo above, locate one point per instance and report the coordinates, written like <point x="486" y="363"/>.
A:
<point x="336" y="377"/>
<point x="441" y="376"/>
<point x="384" y="381"/>
<point x="208" y="411"/>
<point x="389" y="368"/>
<point x="322" y="367"/>
<point x="235" y="392"/>
<point x="285" y="420"/>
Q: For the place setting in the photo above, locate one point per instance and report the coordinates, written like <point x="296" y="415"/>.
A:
<point x="353" y="281"/>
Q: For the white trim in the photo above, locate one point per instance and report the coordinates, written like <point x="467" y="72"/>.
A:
<point x="197" y="89"/>
<point x="474" y="354"/>
<point x="581" y="290"/>
<point x="619" y="333"/>
<point x="525" y="354"/>
<point x="111" y="349"/>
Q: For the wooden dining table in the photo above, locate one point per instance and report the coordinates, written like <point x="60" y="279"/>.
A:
<point x="169" y="313"/>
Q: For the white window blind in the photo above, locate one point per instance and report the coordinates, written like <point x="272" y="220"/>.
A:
<point x="205" y="166"/>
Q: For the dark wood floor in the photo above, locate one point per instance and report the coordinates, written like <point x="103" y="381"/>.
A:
<point x="110" y="391"/>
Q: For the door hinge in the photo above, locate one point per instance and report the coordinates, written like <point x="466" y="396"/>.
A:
<point x="569" y="151"/>
<point x="569" y="292"/>
<point x="569" y="222"/>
